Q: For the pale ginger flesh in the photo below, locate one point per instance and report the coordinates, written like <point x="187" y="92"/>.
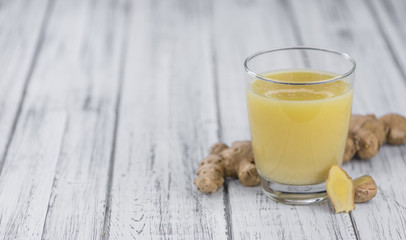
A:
<point x="340" y="189"/>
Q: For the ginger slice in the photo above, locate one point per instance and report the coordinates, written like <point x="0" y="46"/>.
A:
<point x="365" y="189"/>
<point x="340" y="189"/>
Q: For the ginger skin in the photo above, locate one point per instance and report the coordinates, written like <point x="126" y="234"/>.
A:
<point x="367" y="133"/>
<point x="223" y="161"/>
<point x="365" y="189"/>
<point x="397" y="128"/>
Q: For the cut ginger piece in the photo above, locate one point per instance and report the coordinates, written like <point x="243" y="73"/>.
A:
<point x="340" y="189"/>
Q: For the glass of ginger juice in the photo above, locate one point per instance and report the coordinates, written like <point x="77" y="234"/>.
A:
<point x="299" y="107"/>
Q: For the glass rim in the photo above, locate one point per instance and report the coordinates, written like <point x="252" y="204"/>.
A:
<point x="336" y="78"/>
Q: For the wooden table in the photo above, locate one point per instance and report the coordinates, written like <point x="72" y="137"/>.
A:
<point x="107" y="107"/>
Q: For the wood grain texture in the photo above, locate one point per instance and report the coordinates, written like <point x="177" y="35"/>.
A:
<point x="388" y="16"/>
<point x="78" y="73"/>
<point x="28" y="173"/>
<point x="167" y="122"/>
<point x="19" y="45"/>
<point x="380" y="88"/>
<point x="240" y="29"/>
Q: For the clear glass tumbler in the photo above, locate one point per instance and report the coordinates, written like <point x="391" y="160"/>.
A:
<point x="299" y="107"/>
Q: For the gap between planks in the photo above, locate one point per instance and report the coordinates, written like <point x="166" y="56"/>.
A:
<point x="107" y="211"/>
<point x="226" y="196"/>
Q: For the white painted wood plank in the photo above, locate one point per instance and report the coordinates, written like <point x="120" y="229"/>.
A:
<point x="19" y="42"/>
<point x="242" y="28"/>
<point x="78" y="72"/>
<point x="167" y="123"/>
<point x="389" y="16"/>
<point x="380" y="88"/>
<point x="28" y="173"/>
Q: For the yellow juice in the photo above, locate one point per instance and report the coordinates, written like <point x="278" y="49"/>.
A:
<point x="298" y="131"/>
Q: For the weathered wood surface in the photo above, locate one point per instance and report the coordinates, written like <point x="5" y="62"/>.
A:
<point x="167" y="122"/>
<point x="106" y="108"/>
<point x="28" y="173"/>
<point x="79" y="71"/>
<point x="20" y="44"/>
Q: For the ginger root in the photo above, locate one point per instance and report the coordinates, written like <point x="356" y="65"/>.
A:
<point x="367" y="133"/>
<point x="340" y="189"/>
<point x="224" y="161"/>
<point x="343" y="191"/>
<point x="365" y="189"/>
<point x="397" y="128"/>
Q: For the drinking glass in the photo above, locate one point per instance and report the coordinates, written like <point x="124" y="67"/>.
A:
<point x="299" y="107"/>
